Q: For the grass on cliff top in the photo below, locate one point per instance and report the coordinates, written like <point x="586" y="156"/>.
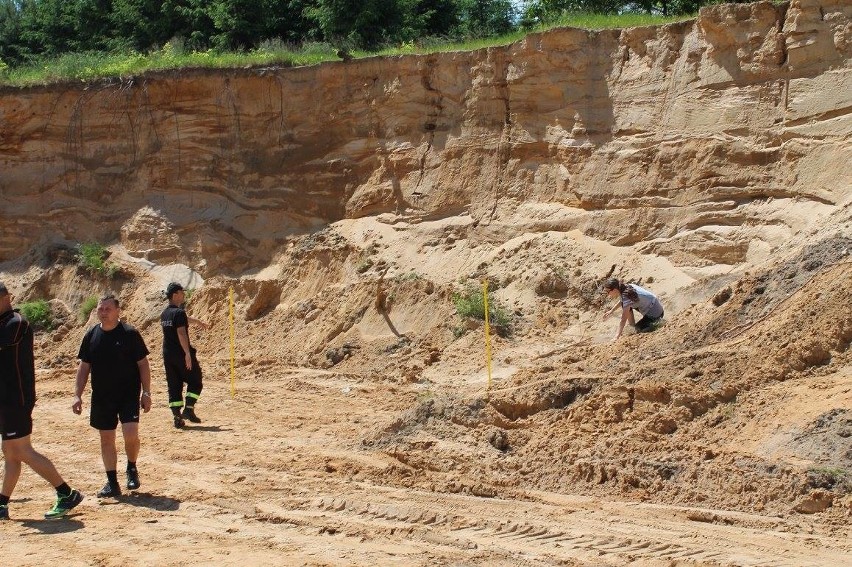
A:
<point x="96" y="65"/>
<point x="577" y="20"/>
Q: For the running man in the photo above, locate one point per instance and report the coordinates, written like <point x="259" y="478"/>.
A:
<point x="17" y="399"/>
<point x="117" y="358"/>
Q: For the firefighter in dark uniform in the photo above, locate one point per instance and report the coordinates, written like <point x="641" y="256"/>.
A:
<point x="179" y="357"/>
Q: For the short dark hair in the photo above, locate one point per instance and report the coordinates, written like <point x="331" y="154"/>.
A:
<point x="612" y="283"/>
<point x="3" y="289"/>
<point x="173" y="288"/>
<point x="109" y="297"/>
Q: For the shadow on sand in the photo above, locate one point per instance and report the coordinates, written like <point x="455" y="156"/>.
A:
<point x="147" y="500"/>
<point x="59" y="526"/>
<point x="213" y="428"/>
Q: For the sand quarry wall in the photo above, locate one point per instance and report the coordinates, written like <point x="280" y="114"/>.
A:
<point x="714" y="154"/>
<point x="643" y="134"/>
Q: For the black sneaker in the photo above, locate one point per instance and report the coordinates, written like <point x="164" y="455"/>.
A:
<point x="4" y="512"/>
<point x="110" y="491"/>
<point x="133" y="479"/>
<point x="64" y="504"/>
<point x="179" y="422"/>
<point x="189" y="413"/>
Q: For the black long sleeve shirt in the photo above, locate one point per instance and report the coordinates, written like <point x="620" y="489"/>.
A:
<point x="17" y="364"/>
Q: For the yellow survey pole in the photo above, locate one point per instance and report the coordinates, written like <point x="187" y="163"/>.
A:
<point x="231" y="319"/>
<point x="487" y="331"/>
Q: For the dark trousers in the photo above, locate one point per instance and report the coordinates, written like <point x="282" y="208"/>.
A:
<point x="647" y="323"/>
<point x="177" y="375"/>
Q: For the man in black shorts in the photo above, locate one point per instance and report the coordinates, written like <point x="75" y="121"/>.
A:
<point x="117" y="358"/>
<point x="179" y="356"/>
<point x="17" y="399"/>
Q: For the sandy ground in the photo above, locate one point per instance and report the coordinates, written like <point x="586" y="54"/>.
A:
<point x="275" y="474"/>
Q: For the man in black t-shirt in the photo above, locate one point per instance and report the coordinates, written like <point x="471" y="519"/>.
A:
<point x="117" y="358"/>
<point x="17" y="399"/>
<point x="179" y="357"/>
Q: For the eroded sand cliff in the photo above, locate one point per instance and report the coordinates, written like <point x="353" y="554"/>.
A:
<point x="345" y="203"/>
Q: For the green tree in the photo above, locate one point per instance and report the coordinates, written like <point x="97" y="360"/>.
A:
<point x="484" y="18"/>
<point x="286" y="20"/>
<point x="436" y="18"/>
<point x="54" y="27"/>
<point x="191" y="20"/>
<point x="90" y="24"/>
<point x="10" y="31"/>
<point x="679" y="7"/>
<point x="237" y="23"/>
<point x="546" y="11"/>
<point x="366" y="24"/>
<point x="139" y="25"/>
<point x="46" y="27"/>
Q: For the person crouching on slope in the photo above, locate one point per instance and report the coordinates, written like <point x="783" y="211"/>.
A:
<point x="179" y="356"/>
<point x="633" y="296"/>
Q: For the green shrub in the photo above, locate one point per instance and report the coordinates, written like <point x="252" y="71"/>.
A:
<point x="86" y="307"/>
<point x="92" y="257"/>
<point x="470" y="303"/>
<point x="39" y="314"/>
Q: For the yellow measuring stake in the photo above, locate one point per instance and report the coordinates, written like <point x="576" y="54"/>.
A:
<point x="231" y="318"/>
<point x="487" y="331"/>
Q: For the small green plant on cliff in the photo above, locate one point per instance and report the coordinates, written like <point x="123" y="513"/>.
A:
<point x="92" y="257"/>
<point x="471" y="303"/>
<point x="86" y="307"/>
<point x="39" y="314"/>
